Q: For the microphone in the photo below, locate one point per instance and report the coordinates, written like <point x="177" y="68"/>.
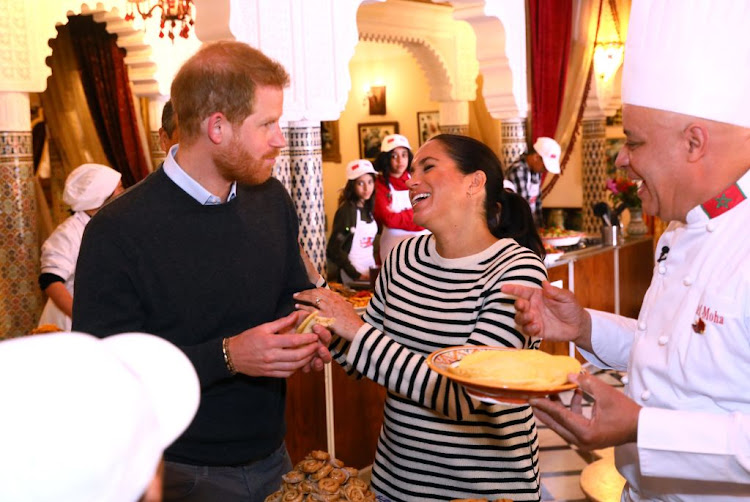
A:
<point x="663" y="255"/>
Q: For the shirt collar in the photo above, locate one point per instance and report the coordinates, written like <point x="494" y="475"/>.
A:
<point x="723" y="202"/>
<point x="175" y="173"/>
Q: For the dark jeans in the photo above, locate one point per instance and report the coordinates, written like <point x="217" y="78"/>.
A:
<point x="245" y="483"/>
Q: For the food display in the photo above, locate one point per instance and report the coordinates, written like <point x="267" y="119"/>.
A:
<point x="532" y="369"/>
<point x="504" y="375"/>
<point x="312" y="319"/>
<point x="359" y="299"/>
<point x="555" y="236"/>
<point x="321" y="478"/>
<point x="45" y="328"/>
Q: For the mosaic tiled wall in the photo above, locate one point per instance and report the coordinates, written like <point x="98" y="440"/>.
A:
<point x="306" y="165"/>
<point x="594" y="171"/>
<point x="20" y="297"/>
<point x="157" y="154"/>
<point x="460" y="129"/>
<point x="513" y="138"/>
<point x="282" y="170"/>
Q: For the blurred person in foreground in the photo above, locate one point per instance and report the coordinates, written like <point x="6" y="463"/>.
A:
<point x="440" y="290"/>
<point x="87" y="188"/>
<point x="682" y="427"/>
<point x="204" y="253"/>
<point x="86" y="419"/>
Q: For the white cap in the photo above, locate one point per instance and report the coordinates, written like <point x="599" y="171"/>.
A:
<point x="393" y="141"/>
<point x="87" y="418"/>
<point x="357" y="168"/>
<point x="509" y="185"/>
<point x="689" y="57"/>
<point x="89" y="185"/>
<point x="549" y="150"/>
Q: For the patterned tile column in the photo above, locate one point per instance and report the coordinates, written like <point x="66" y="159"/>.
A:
<point x="513" y="140"/>
<point x="454" y="117"/>
<point x="307" y="188"/>
<point x="282" y="170"/>
<point x="594" y="170"/>
<point x="20" y="297"/>
<point x="155" y="107"/>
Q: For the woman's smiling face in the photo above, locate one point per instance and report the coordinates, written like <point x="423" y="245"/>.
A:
<point x="437" y="188"/>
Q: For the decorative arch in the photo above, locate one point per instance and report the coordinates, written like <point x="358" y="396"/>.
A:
<point x="141" y="67"/>
<point x="444" y="48"/>
<point x="428" y="58"/>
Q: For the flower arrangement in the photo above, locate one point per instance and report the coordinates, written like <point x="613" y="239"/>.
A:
<point x="623" y="190"/>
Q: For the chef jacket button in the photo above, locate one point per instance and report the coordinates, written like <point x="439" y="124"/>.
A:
<point x="642" y="325"/>
<point x="662" y="269"/>
<point x="645" y="395"/>
<point x="625" y="380"/>
<point x="663" y="339"/>
<point x="711" y="226"/>
<point x="687" y="281"/>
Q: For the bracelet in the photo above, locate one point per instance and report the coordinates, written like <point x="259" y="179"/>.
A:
<point x="227" y="356"/>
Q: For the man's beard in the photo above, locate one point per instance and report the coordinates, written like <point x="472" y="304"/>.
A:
<point x="237" y="163"/>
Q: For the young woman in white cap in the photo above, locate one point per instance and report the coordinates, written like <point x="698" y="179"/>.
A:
<point x="87" y="188"/>
<point x="393" y="210"/>
<point x="351" y="249"/>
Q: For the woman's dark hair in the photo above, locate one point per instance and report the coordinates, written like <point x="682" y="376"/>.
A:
<point x="508" y="214"/>
<point x="382" y="164"/>
<point x="348" y="194"/>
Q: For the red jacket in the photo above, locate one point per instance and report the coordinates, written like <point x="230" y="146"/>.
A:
<point x="383" y="215"/>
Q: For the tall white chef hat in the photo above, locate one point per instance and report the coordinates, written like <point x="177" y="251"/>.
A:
<point x="87" y="418"/>
<point x="689" y="57"/>
<point x="89" y="185"/>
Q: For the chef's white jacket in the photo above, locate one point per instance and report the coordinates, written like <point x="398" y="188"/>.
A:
<point x="688" y="358"/>
<point x="59" y="256"/>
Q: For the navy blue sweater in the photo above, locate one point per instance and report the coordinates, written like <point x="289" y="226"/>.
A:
<point x="156" y="261"/>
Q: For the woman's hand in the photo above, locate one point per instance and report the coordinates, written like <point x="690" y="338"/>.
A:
<point x="330" y="304"/>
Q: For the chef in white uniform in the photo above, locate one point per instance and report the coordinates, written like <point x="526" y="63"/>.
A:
<point x="682" y="427"/>
<point x="87" y="188"/>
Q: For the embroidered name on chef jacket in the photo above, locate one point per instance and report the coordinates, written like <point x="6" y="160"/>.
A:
<point x="706" y="313"/>
<point x="725" y="201"/>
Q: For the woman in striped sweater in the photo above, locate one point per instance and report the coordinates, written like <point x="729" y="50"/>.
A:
<point x="440" y="290"/>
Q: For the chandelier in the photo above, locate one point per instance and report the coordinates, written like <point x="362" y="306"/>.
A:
<point x="172" y="12"/>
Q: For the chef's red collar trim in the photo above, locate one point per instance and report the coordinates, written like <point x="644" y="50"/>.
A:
<point x="726" y="200"/>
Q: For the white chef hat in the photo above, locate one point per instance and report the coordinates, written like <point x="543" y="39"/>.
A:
<point x="87" y="418"/>
<point x="393" y="141"/>
<point x="549" y="150"/>
<point x="89" y="185"/>
<point x="357" y="168"/>
<point x="689" y="57"/>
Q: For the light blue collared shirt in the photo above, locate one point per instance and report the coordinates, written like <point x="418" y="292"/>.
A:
<point x="175" y="173"/>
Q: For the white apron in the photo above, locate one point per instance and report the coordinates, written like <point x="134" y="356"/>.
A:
<point x="59" y="256"/>
<point x="362" y="252"/>
<point x="400" y="201"/>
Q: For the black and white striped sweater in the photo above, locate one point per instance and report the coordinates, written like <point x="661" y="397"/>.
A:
<point x="438" y="443"/>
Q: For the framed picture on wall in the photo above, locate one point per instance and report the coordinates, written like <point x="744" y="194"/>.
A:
<point x="428" y="125"/>
<point x="371" y="134"/>
<point x="329" y="141"/>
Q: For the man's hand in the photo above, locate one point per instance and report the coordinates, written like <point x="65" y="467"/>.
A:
<point x="551" y="313"/>
<point x="614" y="416"/>
<point x="274" y="350"/>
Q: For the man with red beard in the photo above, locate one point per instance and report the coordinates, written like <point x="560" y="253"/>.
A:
<point x="204" y="253"/>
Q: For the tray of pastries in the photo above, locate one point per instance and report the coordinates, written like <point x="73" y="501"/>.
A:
<point x="319" y="477"/>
